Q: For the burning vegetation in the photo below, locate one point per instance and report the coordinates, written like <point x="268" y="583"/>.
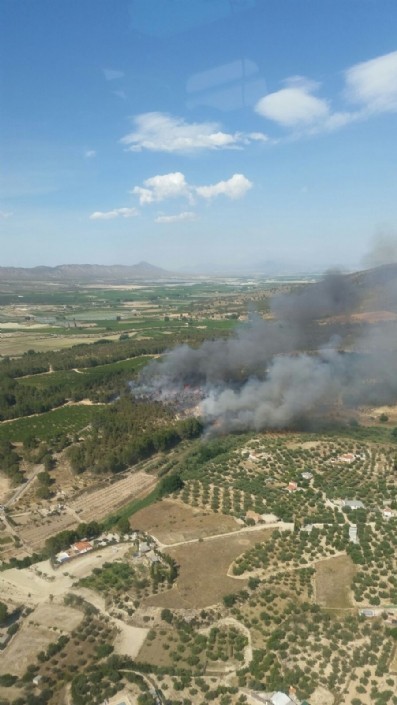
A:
<point x="314" y="358"/>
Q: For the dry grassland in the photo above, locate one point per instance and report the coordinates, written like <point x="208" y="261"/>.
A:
<point x="333" y="580"/>
<point x="15" y="344"/>
<point x="393" y="663"/>
<point x="43" y="626"/>
<point x="129" y="640"/>
<point x="203" y="566"/>
<point x="9" y="694"/>
<point x="35" y="536"/>
<point x="172" y="522"/>
<point x="5" y="488"/>
<point x="304" y="445"/>
<point x="158" y="650"/>
<point x="370" y="415"/>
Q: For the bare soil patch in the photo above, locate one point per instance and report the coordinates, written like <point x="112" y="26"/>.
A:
<point x="43" y="626"/>
<point x="10" y="694"/>
<point x="322" y="696"/>
<point x="129" y="640"/>
<point x="203" y="566"/>
<point x="5" y="488"/>
<point x="171" y="522"/>
<point x="393" y="664"/>
<point x="333" y="580"/>
<point x="35" y="536"/>
<point x="305" y="445"/>
<point x="98" y="503"/>
<point x="373" y="414"/>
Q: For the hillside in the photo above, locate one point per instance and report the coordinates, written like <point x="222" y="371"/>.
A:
<point x="86" y="273"/>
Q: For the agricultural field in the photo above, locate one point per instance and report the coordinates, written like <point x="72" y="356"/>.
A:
<point x="293" y="589"/>
<point x="33" y="524"/>
<point x="263" y="549"/>
<point x="99" y="503"/>
<point x="172" y="522"/>
<point x="217" y="648"/>
<point x="333" y="580"/>
<point x="43" y="626"/>
<point x="51" y="424"/>
<point x="198" y="584"/>
<point x="43" y="319"/>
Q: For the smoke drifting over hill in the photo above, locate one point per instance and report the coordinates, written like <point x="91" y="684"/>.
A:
<point x="287" y="371"/>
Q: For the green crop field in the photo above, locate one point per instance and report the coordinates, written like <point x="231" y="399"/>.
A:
<point x="70" y="419"/>
<point x="67" y="378"/>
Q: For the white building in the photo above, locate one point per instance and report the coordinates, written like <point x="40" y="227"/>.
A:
<point x="280" y="698"/>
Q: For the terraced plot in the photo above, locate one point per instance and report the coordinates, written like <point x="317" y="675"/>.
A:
<point x="97" y="504"/>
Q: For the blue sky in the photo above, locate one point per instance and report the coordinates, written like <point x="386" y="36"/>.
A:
<point x="195" y="133"/>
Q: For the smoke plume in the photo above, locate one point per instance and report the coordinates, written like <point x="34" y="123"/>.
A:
<point x="290" y="370"/>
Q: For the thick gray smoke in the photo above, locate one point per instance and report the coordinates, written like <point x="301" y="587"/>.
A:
<point x="383" y="250"/>
<point x="279" y="373"/>
<point x="333" y="296"/>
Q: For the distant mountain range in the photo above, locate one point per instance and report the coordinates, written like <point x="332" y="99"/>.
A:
<point x="87" y="273"/>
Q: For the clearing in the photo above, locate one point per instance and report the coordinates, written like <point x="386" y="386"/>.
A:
<point x="333" y="580"/>
<point x="44" y="625"/>
<point x="203" y="566"/>
<point x="98" y="503"/>
<point x="173" y="522"/>
<point x="5" y="488"/>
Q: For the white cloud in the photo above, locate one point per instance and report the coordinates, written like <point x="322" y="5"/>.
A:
<point x="163" y="186"/>
<point x="159" y="132"/>
<point x="174" y="185"/>
<point x="90" y="153"/>
<point x="258" y="137"/>
<point x="370" y="85"/>
<point x="4" y="215"/>
<point x="115" y="213"/>
<point x="235" y="187"/>
<point x="294" y="106"/>
<point x="180" y="217"/>
<point x="373" y="84"/>
<point x="112" y="75"/>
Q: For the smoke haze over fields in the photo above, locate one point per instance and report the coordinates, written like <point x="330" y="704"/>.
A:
<point x="288" y="371"/>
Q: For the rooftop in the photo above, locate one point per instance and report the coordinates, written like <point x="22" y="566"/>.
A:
<point x="280" y="698"/>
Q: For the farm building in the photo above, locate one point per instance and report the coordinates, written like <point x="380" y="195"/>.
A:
<point x="143" y="547"/>
<point x="280" y="698"/>
<point x="307" y="475"/>
<point x="353" y="533"/>
<point x="292" y="486"/>
<point x="367" y="613"/>
<point x="353" y="504"/>
<point x="82" y="546"/>
<point x="346" y="458"/>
